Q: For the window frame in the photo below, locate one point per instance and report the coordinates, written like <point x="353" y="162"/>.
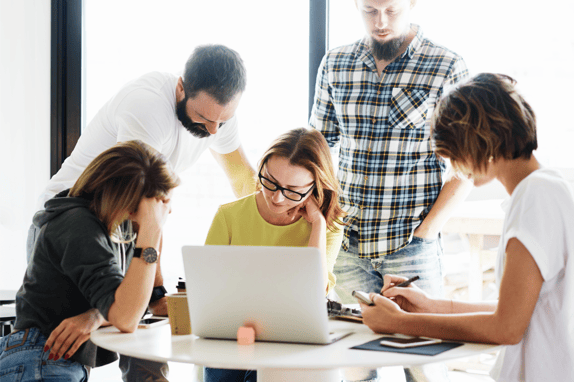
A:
<point x="66" y="80"/>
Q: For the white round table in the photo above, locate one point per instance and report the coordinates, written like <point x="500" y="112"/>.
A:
<point x="273" y="361"/>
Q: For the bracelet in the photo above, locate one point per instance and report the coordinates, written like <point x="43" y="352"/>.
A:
<point x="157" y="293"/>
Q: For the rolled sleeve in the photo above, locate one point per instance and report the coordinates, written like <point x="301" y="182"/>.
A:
<point x="323" y="115"/>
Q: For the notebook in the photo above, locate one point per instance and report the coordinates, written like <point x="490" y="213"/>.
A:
<point x="279" y="291"/>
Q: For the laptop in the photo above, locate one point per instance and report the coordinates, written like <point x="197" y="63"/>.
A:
<point x="279" y="291"/>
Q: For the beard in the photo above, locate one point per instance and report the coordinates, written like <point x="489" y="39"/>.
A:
<point x="196" y="129"/>
<point x="387" y="50"/>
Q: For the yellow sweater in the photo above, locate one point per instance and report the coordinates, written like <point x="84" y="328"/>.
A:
<point x="239" y="223"/>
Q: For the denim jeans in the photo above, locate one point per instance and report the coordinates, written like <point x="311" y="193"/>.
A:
<point x="228" y="375"/>
<point x="22" y="358"/>
<point x="421" y="257"/>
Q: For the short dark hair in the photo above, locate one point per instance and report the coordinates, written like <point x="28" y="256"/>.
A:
<point x="215" y="69"/>
<point x="482" y="118"/>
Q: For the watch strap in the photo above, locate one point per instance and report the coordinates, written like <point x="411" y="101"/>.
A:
<point x="149" y="254"/>
<point x="157" y="293"/>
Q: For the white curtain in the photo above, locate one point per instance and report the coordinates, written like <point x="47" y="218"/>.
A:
<point x="24" y="126"/>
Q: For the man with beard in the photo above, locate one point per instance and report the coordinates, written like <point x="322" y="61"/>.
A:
<point x="179" y="117"/>
<point x="373" y="101"/>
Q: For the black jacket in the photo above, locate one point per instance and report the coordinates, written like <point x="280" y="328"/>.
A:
<point x="74" y="267"/>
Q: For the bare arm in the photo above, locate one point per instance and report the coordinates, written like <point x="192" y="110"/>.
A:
<point x="72" y="332"/>
<point x="318" y="239"/>
<point x="159" y="307"/>
<point x="310" y="211"/>
<point x="519" y="292"/>
<point x="133" y="294"/>
<point x="414" y="300"/>
<point x="452" y="193"/>
<point x="238" y="170"/>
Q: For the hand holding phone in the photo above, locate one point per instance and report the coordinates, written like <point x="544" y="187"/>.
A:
<point x="363" y="297"/>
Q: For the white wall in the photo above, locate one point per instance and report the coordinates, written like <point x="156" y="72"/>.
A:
<point x="24" y="126"/>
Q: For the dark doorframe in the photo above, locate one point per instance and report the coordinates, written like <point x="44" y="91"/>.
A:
<point x="318" y="41"/>
<point x="66" y="80"/>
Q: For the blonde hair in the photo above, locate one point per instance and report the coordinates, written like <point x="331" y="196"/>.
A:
<point x="117" y="180"/>
<point x="308" y="148"/>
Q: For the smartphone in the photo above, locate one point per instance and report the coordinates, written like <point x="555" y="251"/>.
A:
<point x="408" y="342"/>
<point x="150" y="322"/>
<point x="362" y="297"/>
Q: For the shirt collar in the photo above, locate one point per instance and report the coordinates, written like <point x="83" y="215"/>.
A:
<point x="416" y="43"/>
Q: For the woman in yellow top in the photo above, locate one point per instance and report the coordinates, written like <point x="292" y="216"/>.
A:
<point x="296" y="204"/>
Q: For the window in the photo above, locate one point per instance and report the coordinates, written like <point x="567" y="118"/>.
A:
<point x="125" y="39"/>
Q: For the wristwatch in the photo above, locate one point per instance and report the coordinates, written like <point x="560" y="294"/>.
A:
<point x="149" y="255"/>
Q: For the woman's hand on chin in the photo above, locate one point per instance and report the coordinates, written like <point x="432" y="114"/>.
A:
<point x="310" y="211"/>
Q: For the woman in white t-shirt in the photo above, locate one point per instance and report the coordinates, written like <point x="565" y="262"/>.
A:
<point x="488" y="131"/>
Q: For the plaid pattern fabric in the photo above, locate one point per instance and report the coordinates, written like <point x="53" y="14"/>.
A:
<point x="388" y="172"/>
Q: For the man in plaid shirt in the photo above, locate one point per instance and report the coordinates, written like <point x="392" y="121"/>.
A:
<point x="373" y="101"/>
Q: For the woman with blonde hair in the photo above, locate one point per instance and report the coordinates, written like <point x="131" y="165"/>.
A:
<point x="296" y="204"/>
<point x="488" y="131"/>
<point x="79" y="260"/>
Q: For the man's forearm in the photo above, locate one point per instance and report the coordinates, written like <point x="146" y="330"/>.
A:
<point x="245" y="187"/>
<point x="454" y="191"/>
<point x="158" y="281"/>
<point x="238" y="170"/>
<point x="159" y="307"/>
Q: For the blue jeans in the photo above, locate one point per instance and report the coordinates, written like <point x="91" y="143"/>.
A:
<point x="22" y="358"/>
<point x="422" y="257"/>
<point x="228" y="375"/>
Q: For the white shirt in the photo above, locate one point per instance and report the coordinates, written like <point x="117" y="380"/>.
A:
<point x="540" y="213"/>
<point x="143" y="109"/>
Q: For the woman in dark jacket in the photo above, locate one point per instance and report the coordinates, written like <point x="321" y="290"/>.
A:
<point x="116" y="209"/>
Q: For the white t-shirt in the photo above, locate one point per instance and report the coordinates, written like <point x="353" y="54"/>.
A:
<point x="143" y="109"/>
<point x="540" y="213"/>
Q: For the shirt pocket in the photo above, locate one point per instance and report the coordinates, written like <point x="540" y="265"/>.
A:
<point x="409" y="108"/>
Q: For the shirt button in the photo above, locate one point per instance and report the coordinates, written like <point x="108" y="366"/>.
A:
<point x="366" y="178"/>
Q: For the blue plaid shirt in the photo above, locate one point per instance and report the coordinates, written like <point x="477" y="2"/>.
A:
<point x="388" y="172"/>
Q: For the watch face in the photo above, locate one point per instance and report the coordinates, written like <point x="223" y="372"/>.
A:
<point x="149" y="255"/>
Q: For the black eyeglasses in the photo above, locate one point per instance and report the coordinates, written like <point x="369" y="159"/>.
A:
<point x="289" y="194"/>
